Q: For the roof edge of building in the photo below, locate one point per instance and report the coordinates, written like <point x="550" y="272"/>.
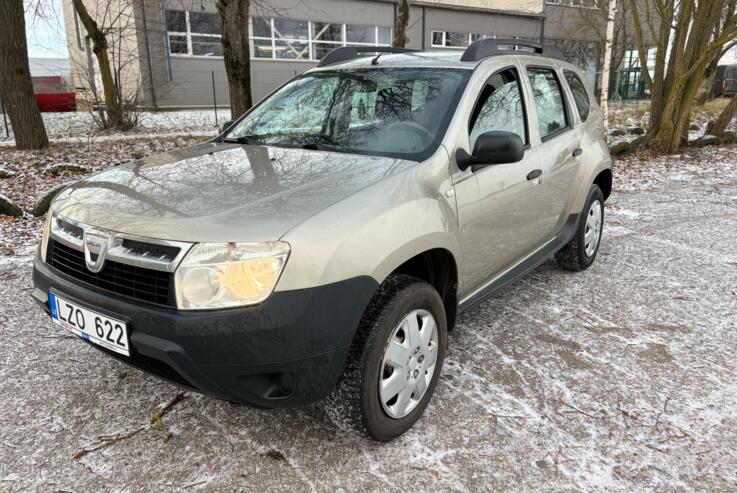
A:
<point x="470" y="8"/>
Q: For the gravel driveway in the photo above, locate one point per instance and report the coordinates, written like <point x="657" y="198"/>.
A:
<point x="619" y="378"/>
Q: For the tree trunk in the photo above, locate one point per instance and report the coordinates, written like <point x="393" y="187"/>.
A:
<point x="400" y="24"/>
<point x="100" y="48"/>
<point x="692" y="33"/>
<point x="16" y="88"/>
<point x="724" y="118"/>
<point x="706" y="91"/>
<point x="236" y="53"/>
<point x="604" y="99"/>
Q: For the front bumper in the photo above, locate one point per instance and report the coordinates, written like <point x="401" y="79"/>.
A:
<point x="286" y="351"/>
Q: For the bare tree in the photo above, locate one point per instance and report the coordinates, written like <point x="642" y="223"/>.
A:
<point x="236" y="53"/>
<point x="400" y="24"/>
<point x="596" y="19"/>
<point x="608" y="42"/>
<point x="100" y="48"/>
<point x="693" y="33"/>
<point x="16" y="88"/>
<point x="725" y="118"/>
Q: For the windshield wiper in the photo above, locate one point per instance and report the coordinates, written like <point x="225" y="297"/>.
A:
<point x="244" y="139"/>
<point x="322" y="142"/>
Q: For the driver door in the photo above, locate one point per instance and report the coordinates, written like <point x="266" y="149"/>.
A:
<point x="496" y="210"/>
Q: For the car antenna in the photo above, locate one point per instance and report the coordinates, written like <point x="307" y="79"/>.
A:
<point x="375" y="60"/>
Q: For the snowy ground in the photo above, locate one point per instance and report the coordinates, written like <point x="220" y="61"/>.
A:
<point x="629" y="115"/>
<point x="31" y="178"/>
<point x="79" y="126"/>
<point x="621" y="378"/>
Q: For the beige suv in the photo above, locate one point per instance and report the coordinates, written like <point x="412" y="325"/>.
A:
<point x="321" y="248"/>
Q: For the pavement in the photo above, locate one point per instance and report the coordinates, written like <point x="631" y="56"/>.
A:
<point x="620" y="378"/>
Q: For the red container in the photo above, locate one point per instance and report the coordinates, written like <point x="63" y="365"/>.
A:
<point x="54" y="94"/>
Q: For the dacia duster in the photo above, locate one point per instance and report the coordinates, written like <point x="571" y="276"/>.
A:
<point x="321" y="247"/>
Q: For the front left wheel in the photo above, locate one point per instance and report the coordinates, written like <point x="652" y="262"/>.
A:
<point x="395" y="361"/>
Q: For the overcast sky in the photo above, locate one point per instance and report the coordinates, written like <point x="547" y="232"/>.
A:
<point x="45" y="32"/>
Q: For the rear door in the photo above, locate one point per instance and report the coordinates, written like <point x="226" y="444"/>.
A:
<point x="556" y="154"/>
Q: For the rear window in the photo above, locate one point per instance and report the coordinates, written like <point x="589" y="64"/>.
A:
<point x="580" y="95"/>
<point x="551" y="111"/>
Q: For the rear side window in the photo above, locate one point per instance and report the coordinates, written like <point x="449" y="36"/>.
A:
<point x="500" y="107"/>
<point x="579" y="94"/>
<point x="551" y="112"/>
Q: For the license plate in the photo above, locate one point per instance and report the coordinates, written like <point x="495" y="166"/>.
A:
<point x="90" y="325"/>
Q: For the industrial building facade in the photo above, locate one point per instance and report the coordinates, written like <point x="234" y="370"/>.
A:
<point x="173" y="55"/>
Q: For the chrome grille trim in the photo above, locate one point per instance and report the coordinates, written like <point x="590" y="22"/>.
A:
<point x="66" y="231"/>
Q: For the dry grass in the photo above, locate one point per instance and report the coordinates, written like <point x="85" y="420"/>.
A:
<point x="712" y="107"/>
<point x="628" y="113"/>
<point x="623" y="114"/>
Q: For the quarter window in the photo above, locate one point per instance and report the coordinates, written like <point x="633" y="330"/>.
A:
<point x="551" y="112"/>
<point x="579" y="94"/>
<point x="500" y="107"/>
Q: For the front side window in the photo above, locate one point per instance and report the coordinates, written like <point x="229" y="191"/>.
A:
<point x="580" y="95"/>
<point x="387" y="112"/>
<point x="551" y="112"/>
<point x="500" y="107"/>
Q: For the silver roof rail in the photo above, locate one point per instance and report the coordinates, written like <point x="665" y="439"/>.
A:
<point x="487" y="47"/>
<point x="346" y="53"/>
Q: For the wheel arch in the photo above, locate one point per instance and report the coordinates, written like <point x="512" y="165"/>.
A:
<point x="604" y="181"/>
<point x="438" y="267"/>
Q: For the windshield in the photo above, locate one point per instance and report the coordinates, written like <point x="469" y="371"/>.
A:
<point x="387" y="112"/>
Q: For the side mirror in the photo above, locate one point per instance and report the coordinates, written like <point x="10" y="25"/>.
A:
<point x="226" y="126"/>
<point x="495" y="147"/>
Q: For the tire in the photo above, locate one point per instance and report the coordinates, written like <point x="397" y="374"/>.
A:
<point x="574" y="255"/>
<point x="355" y="404"/>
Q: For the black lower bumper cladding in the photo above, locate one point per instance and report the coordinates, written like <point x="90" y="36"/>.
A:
<point x="286" y="351"/>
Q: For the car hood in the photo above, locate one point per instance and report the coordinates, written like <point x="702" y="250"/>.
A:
<point x="220" y="192"/>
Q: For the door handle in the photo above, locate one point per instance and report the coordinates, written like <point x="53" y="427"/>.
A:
<point x="535" y="173"/>
<point x="577" y="152"/>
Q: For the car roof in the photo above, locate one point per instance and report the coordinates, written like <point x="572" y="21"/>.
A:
<point x="439" y="59"/>
<point x="445" y="59"/>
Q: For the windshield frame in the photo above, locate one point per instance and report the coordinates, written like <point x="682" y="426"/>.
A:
<point x="418" y="156"/>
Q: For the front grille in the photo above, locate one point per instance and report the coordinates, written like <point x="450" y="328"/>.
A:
<point x="147" y="364"/>
<point x="148" y="285"/>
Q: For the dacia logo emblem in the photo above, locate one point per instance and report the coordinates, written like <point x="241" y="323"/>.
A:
<point x="95" y="244"/>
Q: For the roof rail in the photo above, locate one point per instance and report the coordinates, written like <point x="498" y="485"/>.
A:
<point x="486" y="47"/>
<point x="350" y="52"/>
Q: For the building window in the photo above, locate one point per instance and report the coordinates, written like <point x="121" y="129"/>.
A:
<point x="310" y="40"/>
<point x="584" y="54"/>
<point x="449" y="39"/>
<point x="628" y="81"/>
<point x="193" y="33"/>
<point x="197" y="33"/>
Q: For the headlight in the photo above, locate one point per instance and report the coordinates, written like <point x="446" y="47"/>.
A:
<point x="222" y="275"/>
<point x="45" y="234"/>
